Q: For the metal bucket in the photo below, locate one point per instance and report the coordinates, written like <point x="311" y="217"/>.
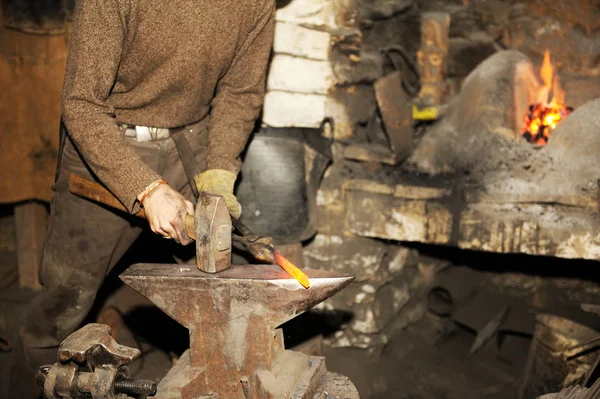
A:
<point x="551" y="366"/>
<point x="280" y="176"/>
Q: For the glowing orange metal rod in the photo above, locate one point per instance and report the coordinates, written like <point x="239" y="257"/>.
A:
<point x="262" y="248"/>
<point x="291" y="269"/>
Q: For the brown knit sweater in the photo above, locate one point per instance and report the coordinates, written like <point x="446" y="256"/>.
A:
<point x="163" y="64"/>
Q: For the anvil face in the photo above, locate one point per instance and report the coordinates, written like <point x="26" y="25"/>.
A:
<point x="231" y="315"/>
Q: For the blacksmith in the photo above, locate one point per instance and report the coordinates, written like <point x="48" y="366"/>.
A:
<point x="137" y="71"/>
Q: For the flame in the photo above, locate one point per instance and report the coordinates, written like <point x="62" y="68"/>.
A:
<point x="543" y="117"/>
<point x="291" y="269"/>
<point x="547" y="71"/>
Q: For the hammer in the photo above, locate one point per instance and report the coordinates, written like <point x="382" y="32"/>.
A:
<point x="211" y="227"/>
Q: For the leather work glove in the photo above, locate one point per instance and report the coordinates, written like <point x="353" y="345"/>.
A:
<point x="220" y="182"/>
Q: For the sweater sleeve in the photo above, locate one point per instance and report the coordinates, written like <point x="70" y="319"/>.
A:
<point x="240" y="94"/>
<point x="95" y="48"/>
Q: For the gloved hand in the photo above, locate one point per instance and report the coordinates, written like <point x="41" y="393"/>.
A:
<point x="165" y="210"/>
<point x="220" y="182"/>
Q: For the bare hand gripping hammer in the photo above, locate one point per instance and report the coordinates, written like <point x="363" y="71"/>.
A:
<point x="211" y="226"/>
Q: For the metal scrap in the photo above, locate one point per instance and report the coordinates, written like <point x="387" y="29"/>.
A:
<point x="489" y="331"/>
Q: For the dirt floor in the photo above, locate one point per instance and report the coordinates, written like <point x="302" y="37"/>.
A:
<point x="416" y="365"/>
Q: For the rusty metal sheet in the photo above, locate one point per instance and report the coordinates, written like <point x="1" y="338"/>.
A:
<point x="395" y="108"/>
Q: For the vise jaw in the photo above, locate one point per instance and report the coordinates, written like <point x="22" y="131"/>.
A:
<point x="213" y="234"/>
<point x="92" y="364"/>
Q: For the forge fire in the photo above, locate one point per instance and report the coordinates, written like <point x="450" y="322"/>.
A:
<point x="544" y="116"/>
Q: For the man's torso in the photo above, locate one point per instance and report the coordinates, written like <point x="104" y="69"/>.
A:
<point x="174" y="54"/>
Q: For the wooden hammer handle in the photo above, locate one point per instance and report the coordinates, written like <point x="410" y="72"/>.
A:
<point x="96" y="192"/>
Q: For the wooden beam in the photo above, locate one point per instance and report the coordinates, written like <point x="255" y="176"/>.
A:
<point x="550" y="229"/>
<point x="31" y="222"/>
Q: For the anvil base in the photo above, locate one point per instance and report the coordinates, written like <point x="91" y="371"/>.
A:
<point x="294" y="375"/>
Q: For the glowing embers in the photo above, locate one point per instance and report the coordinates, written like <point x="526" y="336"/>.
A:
<point x="543" y="117"/>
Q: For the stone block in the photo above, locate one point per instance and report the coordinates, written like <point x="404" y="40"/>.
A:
<point x="350" y="254"/>
<point x="348" y="338"/>
<point x="347" y="106"/>
<point x="378" y="309"/>
<point x="383" y="295"/>
<point x="302" y="42"/>
<point x="284" y="109"/>
<point x="382" y="290"/>
<point x="300" y="75"/>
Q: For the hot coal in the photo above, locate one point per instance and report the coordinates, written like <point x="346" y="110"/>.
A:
<point x="541" y="119"/>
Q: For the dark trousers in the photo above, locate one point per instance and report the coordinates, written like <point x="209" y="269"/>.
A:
<point x="84" y="241"/>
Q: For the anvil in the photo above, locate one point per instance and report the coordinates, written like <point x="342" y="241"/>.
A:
<point x="236" y="348"/>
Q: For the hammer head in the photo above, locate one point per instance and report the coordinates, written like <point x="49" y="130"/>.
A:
<point x="213" y="234"/>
